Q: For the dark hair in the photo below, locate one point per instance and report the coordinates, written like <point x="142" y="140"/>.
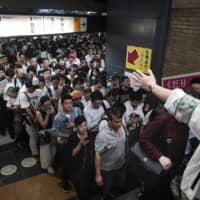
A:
<point x="13" y="89"/>
<point x="61" y="76"/>
<point x="10" y="72"/>
<point x="18" y="67"/>
<point x="159" y="110"/>
<point x="65" y="90"/>
<point x="46" y="70"/>
<point x="191" y="92"/>
<point x="64" y="97"/>
<point x="74" y="66"/>
<point x="87" y="90"/>
<point x="95" y="60"/>
<point x="31" y="69"/>
<point x="96" y="96"/>
<point x="115" y="78"/>
<point x="117" y="110"/>
<point x="136" y="96"/>
<point x="124" y="78"/>
<point x="43" y="59"/>
<point x="195" y="80"/>
<point x="79" y="120"/>
<point x="43" y="99"/>
<point x="41" y="79"/>
<point x="96" y="81"/>
<point x="21" y="54"/>
<point x="58" y="66"/>
<point x="77" y="80"/>
<point x="82" y="74"/>
<point x="55" y="77"/>
<point x="60" y="58"/>
<point x="95" y="69"/>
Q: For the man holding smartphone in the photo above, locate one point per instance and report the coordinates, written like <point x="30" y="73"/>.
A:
<point x="63" y="126"/>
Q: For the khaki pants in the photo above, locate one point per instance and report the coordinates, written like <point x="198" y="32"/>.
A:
<point x="32" y="132"/>
<point x="47" y="153"/>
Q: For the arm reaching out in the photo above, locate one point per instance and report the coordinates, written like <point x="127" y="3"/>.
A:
<point x="148" y="82"/>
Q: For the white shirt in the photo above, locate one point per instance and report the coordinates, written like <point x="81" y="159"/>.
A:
<point x="93" y="116"/>
<point x="89" y="58"/>
<point x="76" y="62"/>
<point x="84" y="101"/>
<point x="45" y="91"/>
<point x="12" y="102"/>
<point x="34" y="99"/>
<point x="8" y="85"/>
<point x="18" y="82"/>
<point x="102" y="90"/>
<point x="68" y="64"/>
<point x="130" y="109"/>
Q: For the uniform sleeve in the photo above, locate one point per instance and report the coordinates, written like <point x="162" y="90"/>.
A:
<point x="173" y="100"/>
<point x="185" y="108"/>
<point x="182" y="106"/>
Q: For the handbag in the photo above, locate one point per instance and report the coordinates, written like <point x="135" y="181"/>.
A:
<point x="44" y="136"/>
<point x="146" y="170"/>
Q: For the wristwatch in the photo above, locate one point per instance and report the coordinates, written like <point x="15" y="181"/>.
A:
<point x="150" y="87"/>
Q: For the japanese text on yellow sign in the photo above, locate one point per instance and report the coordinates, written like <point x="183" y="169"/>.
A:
<point x="138" y="58"/>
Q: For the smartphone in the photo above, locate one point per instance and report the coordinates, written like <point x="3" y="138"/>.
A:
<point x="66" y="121"/>
<point x="137" y="116"/>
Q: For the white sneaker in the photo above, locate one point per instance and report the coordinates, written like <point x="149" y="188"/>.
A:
<point x="50" y="170"/>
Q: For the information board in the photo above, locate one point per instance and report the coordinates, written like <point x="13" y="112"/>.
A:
<point x="22" y="25"/>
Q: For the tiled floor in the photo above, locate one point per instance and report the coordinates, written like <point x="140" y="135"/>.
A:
<point x="31" y="183"/>
<point x="40" y="187"/>
<point x="44" y="187"/>
<point x="10" y="154"/>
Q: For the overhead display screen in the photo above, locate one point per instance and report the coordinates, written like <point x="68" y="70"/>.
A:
<point x="19" y="25"/>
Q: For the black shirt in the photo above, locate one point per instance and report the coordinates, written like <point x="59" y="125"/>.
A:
<point x="50" y="122"/>
<point x="81" y="160"/>
<point x="124" y="95"/>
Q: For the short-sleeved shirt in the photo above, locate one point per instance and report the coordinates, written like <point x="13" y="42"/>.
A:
<point x="59" y="123"/>
<point x="130" y="110"/>
<point x="34" y="99"/>
<point x="111" y="147"/>
<point x="11" y="102"/>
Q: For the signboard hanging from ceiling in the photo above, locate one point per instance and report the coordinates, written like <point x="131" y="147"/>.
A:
<point x="138" y="58"/>
<point x="17" y="25"/>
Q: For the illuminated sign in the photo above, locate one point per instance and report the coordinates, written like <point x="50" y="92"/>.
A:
<point x="17" y="25"/>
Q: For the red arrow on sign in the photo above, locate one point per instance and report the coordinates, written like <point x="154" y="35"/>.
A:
<point x="132" y="57"/>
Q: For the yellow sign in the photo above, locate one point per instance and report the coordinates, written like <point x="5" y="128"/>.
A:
<point x="138" y="58"/>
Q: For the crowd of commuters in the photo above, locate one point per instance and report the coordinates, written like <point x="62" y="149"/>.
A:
<point x="57" y="99"/>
